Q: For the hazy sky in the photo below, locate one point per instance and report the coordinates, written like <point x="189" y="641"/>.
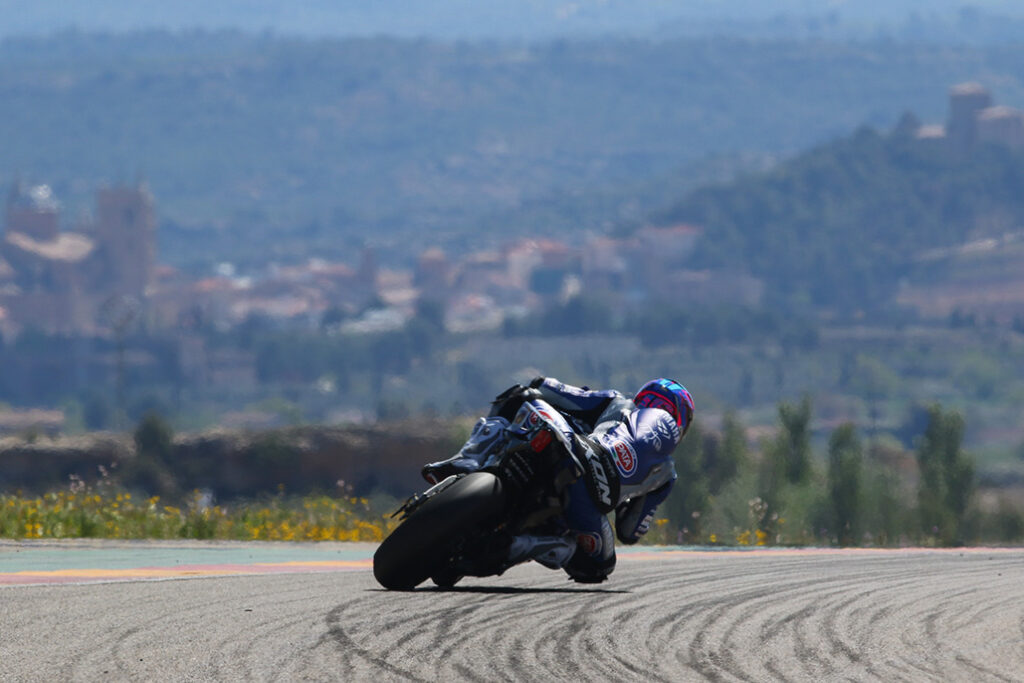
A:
<point x="445" y="19"/>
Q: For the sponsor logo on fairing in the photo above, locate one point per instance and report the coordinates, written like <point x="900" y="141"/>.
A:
<point x="589" y="543"/>
<point x="604" y="489"/>
<point x="625" y="457"/>
<point x="535" y="416"/>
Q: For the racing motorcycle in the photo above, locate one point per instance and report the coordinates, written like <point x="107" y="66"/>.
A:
<point x="462" y="525"/>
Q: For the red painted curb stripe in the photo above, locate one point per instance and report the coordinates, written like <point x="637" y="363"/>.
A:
<point x="179" y="571"/>
<point x="60" y="576"/>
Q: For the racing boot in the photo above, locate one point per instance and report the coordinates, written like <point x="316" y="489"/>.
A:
<point x="457" y="464"/>
<point x="551" y="551"/>
<point x="488" y="434"/>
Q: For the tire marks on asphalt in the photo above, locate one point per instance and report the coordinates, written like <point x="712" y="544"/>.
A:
<point x="750" y="618"/>
<point x="669" y="617"/>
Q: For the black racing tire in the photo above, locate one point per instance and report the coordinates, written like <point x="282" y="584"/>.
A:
<point x="445" y="578"/>
<point x="418" y="547"/>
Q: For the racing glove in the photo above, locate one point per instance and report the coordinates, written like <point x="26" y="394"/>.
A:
<point x="507" y="403"/>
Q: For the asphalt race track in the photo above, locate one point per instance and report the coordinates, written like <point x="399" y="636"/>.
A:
<point x="683" y="615"/>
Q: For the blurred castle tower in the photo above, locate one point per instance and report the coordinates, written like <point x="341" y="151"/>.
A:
<point x="125" y="232"/>
<point x="966" y="101"/>
<point x="973" y="120"/>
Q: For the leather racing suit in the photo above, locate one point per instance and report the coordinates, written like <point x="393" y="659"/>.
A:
<point x="635" y="445"/>
<point x="639" y="442"/>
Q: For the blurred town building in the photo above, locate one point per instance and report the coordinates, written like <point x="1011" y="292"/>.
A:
<point x="64" y="281"/>
<point x="88" y="280"/>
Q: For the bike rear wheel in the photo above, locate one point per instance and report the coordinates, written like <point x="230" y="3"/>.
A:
<point x="419" y="546"/>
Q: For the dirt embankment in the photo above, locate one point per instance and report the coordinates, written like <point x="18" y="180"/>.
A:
<point x="384" y="457"/>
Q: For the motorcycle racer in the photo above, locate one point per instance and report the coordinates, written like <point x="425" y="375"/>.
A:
<point x="626" y="446"/>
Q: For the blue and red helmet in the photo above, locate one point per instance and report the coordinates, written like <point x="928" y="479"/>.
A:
<point x="670" y="396"/>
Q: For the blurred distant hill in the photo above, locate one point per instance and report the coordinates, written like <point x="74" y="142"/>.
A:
<point x="844" y="225"/>
<point x="261" y="147"/>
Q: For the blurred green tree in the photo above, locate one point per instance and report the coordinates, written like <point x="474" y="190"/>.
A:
<point x="795" y="439"/>
<point x="947" y="479"/>
<point x="689" y="498"/>
<point x="154" y="439"/>
<point x="152" y="469"/>
<point x="724" y="456"/>
<point x="786" y="460"/>
<point x="845" y="463"/>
